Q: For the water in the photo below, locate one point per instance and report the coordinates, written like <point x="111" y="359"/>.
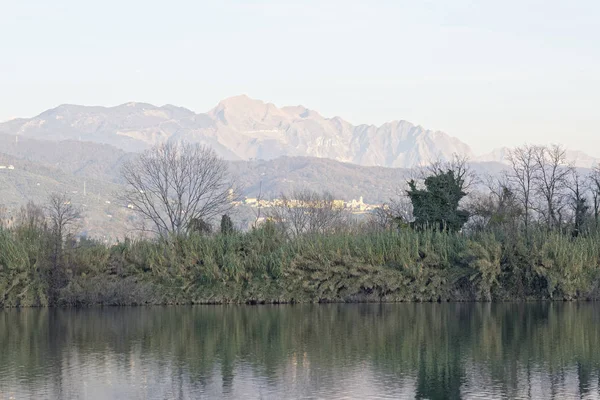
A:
<point x="435" y="351"/>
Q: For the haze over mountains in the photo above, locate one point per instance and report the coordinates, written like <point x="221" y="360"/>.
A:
<point x="240" y="128"/>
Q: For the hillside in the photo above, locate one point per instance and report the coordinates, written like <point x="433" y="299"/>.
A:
<point x="104" y="218"/>
<point x="79" y="158"/>
<point x="345" y="181"/>
<point x="269" y="178"/>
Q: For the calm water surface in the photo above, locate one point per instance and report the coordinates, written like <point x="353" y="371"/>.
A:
<point x="424" y="351"/>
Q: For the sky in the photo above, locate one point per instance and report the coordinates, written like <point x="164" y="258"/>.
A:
<point x="491" y="73"/>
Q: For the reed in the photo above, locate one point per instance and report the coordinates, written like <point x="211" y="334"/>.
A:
<point x="263" y="266"/>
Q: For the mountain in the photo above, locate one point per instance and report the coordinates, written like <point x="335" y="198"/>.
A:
<point x="131" y="126"/>
<point x="241" y="128"/>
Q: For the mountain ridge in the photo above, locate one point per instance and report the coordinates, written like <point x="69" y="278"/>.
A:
<point x="241" y="128"/>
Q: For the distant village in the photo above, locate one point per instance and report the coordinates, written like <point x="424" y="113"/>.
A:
<point x="354" y="206"/>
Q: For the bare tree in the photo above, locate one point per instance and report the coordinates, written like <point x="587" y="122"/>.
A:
<point x="465" y="175"/>
<point x="62" y="214"/>
<point x="382" y="218"/>
<point x="31" y="217"/>
<point x="499" y="207"/>
<point x="173" y="184"/>
<point x="325" y="214"/>
<point x="289" y="215"/>
<point x="553" y="171"/>
<point x="396" y="212"/>
<point x="306" y="211"/>
<point x="522" y="175"/>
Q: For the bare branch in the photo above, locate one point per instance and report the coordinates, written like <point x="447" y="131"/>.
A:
<point x="522" y="176"/>
<point x="466" y="177"/>
<point x="553" y="171"/>
<point x="61" y="213"/>
<point x="306" y="211"/>
<point x="173" y="184"/>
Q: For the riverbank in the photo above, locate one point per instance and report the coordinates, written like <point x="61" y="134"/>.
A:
<point x="263" y="267"/>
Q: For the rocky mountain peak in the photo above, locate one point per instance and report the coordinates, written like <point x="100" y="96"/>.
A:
<point x="243" y="128"/>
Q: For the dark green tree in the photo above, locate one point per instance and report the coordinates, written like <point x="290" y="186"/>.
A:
<point x="581" y="212"/>
<point x="436" y="206"/>
<point x="578" y="203"/>
<point x="226" y="225"/>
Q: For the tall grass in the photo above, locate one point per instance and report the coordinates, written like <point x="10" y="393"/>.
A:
<point x="262" y="266"/>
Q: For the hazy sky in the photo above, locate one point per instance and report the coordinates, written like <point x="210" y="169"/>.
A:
<point x="491" y="73"/>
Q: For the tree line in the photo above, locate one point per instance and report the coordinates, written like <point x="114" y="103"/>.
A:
<point x="182" y="188"/>
<point x="530" y="232"/>
<point x="543" y="188"/>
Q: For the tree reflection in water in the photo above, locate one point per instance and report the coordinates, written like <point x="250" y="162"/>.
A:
<point x="429" y="351"/>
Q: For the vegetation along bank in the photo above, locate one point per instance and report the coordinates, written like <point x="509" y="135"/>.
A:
<point x="443" y="240"/>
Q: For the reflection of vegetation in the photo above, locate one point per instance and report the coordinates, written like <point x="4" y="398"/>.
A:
<point x="432" y="342"/>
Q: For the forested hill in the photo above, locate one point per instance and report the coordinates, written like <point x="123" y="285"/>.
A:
<point x="269" y="178"/>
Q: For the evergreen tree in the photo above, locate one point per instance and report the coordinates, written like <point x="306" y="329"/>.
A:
<point x="581" y="212"/>
<point x="226" y="225"/>
<point x="436" y="206"/>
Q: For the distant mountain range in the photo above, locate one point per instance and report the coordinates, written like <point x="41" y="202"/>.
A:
<point x="240" y="128"/>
